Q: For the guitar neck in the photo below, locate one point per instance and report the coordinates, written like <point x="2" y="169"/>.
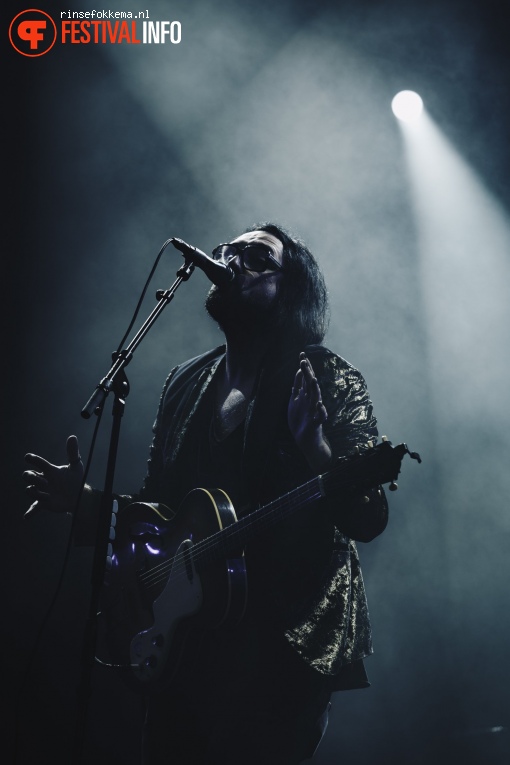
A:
<point x="233" y="538"/>
<point x="374" y="467"/>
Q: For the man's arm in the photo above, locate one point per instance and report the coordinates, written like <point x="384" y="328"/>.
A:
<point x="330" y="415"/>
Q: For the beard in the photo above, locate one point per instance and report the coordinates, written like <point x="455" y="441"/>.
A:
<point x="235" y="311"/>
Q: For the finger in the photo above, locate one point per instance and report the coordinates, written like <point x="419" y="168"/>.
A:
<point x="38" y="462"/>
<point x="73" y="451"/>
<point x="309" y="380"/>
<point x="36" y="493"/>
<point x="29" y="474"/>
<point x="315" y="392"/>
<point x="298" y="383"/>
<point x="321" y="413"/>
<point x="305" y="375"/>
<point x="35" y="479"/>
<point x="313" y="387"/>
<point x="34" y="508"/>
<point x="306" y="367"/>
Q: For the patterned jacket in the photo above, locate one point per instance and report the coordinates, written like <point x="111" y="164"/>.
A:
<point x="308" y="571"/>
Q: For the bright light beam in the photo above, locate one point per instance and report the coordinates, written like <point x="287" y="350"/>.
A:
<point x="464" y="241"/>
<point x="407" y="106"/>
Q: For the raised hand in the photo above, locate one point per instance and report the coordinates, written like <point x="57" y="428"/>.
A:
<point x="54" y="487"/>
<point x="306" y="415"/>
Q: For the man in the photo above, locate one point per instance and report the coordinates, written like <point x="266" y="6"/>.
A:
<point x="241" y="418"/>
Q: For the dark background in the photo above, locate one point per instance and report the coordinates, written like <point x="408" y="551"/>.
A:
<point x="276" y="111"/>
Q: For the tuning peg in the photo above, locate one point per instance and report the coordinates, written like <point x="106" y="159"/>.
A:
<point x="384" y="438"/>
<point x="370" y="444"/>
<point x="393" y="486"/>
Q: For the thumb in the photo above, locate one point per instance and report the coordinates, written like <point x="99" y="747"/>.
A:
<point x="73" y="451"/>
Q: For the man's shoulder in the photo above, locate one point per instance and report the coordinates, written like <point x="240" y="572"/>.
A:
<point x="198" y="363"/>
<point x="186" y="374"/>
<point x="187" y="370"/>
<point x="339" y="380"/>
<point x="322" y="357"/>
<point x="326" y="364"/>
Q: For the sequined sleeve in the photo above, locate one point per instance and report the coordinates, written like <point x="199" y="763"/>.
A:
<point x="333" y="630"/>
<point x="351" y="423"/>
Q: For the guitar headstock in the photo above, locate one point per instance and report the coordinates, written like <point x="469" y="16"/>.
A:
<point x="366" y="468"/>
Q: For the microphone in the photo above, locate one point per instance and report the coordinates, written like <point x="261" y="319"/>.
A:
<point x="218" y="273"/>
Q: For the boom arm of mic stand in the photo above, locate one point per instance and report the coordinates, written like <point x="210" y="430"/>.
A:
<point x="104" y="387"/>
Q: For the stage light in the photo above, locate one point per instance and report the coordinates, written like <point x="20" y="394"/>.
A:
<point x="407" y="106"/>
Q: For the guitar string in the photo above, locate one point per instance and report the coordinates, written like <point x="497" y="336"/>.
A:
<point x="181" y="560"/>
<point x="254" y="518"/>
<point x="200" y="549"/>
<point x="260" y="516"/>
<point x="181" y="567"/>
<point x="263" y="517"/>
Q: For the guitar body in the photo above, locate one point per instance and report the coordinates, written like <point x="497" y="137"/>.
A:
<point x="169" y="577"/>
<point x="155" y="592"/>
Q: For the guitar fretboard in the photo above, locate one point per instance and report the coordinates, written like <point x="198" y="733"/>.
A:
<point x="233" y="538"/>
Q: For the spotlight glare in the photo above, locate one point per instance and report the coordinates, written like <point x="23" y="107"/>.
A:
<point x="407" y="106"/>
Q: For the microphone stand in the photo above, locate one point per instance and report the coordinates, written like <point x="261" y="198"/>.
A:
<point x="115" y="381"/>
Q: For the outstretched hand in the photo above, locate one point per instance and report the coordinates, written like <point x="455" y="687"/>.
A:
<point x="306" y="415"/>
<point x="55" y="487"/>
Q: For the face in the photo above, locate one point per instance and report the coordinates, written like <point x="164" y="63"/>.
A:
<point x="252" y="296"/>
<point x="263" y="283"/>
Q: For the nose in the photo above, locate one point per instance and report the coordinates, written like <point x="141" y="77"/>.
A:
<point x="235" y="263"/>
